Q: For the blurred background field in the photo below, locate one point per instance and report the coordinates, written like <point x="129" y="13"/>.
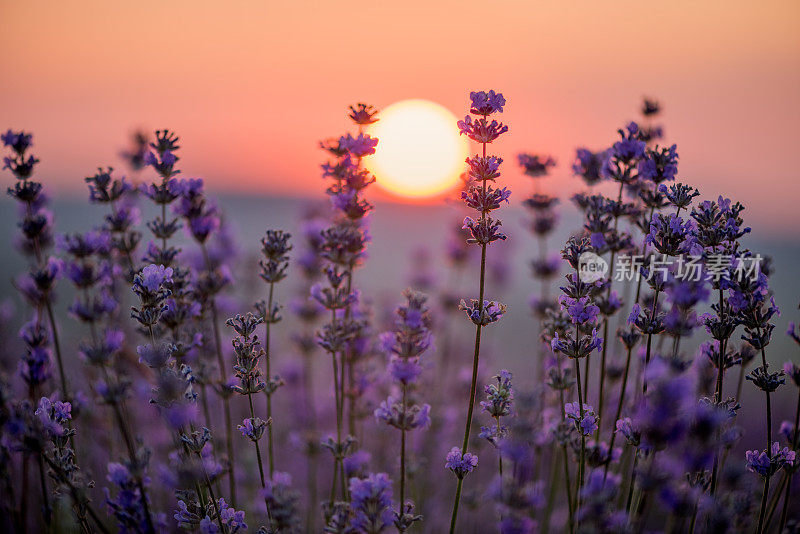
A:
<point x="408" y="242"/>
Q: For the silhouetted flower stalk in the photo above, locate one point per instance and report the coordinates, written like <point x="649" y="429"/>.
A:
<point x="717" y="229"/>
<point x="201" y="220"/>
<point x="123" y="217"/>
<point x="347" y="201"/>
<point x="404" y="346"/>
<point x="248" y="370"/>
<point x="275" y="247"/>
<point x="308" y="312"/>
<point x="620" y="165"/>
<point x="577" y="302"/>
<point x="749" y="301"/>
<point x="499" y="403"/>
<point x="37" y="236"/>
<point x="542" y="223"/>
<point x="343" y="248"/>
<point x="555" y="324"/>
<point x="792" y="371"/>
<point x="483" y="198"/>
<point x="36" y="286"/>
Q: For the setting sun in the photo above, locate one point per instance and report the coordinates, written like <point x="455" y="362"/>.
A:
<point x="420" y="153"/>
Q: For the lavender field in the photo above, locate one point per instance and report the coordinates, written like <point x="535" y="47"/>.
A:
<point x="179" y="360"/>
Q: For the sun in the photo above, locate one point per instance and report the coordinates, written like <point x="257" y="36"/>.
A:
<point x="420" y="153"/>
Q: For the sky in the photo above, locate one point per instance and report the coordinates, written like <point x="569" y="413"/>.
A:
<point x="251" y="86"/>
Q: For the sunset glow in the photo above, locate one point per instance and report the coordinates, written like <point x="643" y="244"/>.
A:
<point x="420" y="153"/>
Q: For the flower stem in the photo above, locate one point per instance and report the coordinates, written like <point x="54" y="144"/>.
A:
<point x="225" y="399"/>
<point x="567" y="482"/>
<point x="267" y="359"/>
<point x="718" y="391"/>
<point x="649" y="342"/>
<point x="583" y="437"/>
<point x="620" y="403"/>
<point x="474" y="382"/>
<point x="403" y="457"/>
<point x="226" y="406"/>
<point x="258" y="457"/>
<point x="789" y="474"/>
<point x="764" y="497"/>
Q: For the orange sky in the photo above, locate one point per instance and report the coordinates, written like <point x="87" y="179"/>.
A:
<point x="251" y="86"/>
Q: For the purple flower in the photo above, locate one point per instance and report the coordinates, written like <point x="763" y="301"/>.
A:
<point x="626" y="428"/>
<point x="404" y="370"/>
<point x="486" y="102"/>
<point x="535" y="165"/>
<point x="586" y="424"/>
<point x="588" y="165"/>
<point x="153" y="356"/>
<point x="792" y="370"/>
<point x="680" y="195"/>
<point x="155" y="276"/>
<point x="493" y="434"/>
<point x="392" y="412"/>
<point x="630" y="147"/>
<point x="634" y="315"/>
<point x="481" y="130"/>
<point x="363" y="114"/>
<point x="581" y="311"/>
<point x="127" y="505"/>
<point x="485" y="200"/>
<point x="53" y="415"/>
<point x="687" y="293"/>
<point x="202" y="225"/>
<point x="489" y="313"/>
<point x="282" y="502"/>
<point x="483" y="231"/>
<point x="371" y="502"/>
<point x="500" y="396"/>
<point x="659" y="165"/>
<point x="356" y="463"/>
<point x="85" y="245"/>
<point x="484" y="168"/>
<point x="162" y="163"/>
<point x="360" y="146"/>
<point x="766" y="465"/>
<point x="34" y="366"/>
<point x="787" y="431"/>
<point x="232" y="519"/>
<point x="19" y="142"/>
<point x="460" y="464"/>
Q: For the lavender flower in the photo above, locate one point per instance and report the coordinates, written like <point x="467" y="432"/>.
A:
<point x="588" y="165"/>
<point x="659" y="165"/>
<point x="585" y="420"/>
<point x="461" y="464"/>
<point x="535" y="165"/>
<point x="499" y="397"/>
<point x="766" y="464"/>
<point x="253" y="428"/>
<point x="371" y="502"/>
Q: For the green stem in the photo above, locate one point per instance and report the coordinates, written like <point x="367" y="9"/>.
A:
<point x="260" y="463"/>
<point x="789" y="475"/>
<point x="649" y="343"/>
<point x="475" y="358"/>
<point x="583" y="437"/>
<point x="403" y="457"/>
<point x="267" y="359"/>
<point x="620" y="403"/>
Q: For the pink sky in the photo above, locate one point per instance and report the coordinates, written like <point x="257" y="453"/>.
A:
<point x="251" y="86"/>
